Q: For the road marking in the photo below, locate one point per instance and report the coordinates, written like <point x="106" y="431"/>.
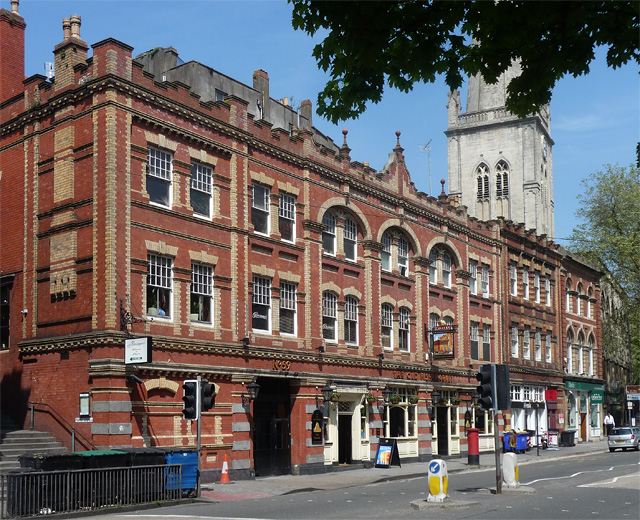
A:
<point x="614" y="480"/>
<point x="576" y="474"/>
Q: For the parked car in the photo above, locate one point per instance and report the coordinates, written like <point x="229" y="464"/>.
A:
<point x="624" y="438"/>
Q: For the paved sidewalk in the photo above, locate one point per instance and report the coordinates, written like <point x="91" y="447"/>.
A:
<point x="271" y="486"/>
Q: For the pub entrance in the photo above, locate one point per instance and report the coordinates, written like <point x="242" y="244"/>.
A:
<point x="344" y="438"/>
<point x="271" y="428"/>
<point x="442" y="416"/>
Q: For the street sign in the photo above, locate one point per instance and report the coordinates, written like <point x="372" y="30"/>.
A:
<point x="137" y="350"/>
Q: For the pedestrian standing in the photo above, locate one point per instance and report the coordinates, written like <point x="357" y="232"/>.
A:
<point x="609" y="423"/>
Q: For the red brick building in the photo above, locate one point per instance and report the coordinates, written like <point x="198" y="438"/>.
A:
<point x="248" y="247"/>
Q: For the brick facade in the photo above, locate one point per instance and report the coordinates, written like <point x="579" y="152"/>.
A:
<point x="97" y="215"/>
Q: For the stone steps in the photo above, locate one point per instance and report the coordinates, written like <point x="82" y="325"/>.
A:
<point x="20" y="442"/>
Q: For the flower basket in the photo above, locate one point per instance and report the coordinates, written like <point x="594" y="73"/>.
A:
<point x="335" y="397"/>
<point x="371" y="399"/>
<point x="395" y="399"/>
<point x="413" y="399"/>
<point x="455" y="401"/>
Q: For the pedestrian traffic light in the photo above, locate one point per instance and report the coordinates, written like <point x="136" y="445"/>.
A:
<point x="486" y="377"/>
<point x="191" y="398"/>
<point x="207" y="396"/>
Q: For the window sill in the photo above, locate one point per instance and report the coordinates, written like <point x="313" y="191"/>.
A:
<point x="158" y="205"/>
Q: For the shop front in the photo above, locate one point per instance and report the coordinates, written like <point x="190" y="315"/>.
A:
<point x="584" y="409"/>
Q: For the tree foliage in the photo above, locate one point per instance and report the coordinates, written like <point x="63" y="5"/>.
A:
<point x="609" y="231"/>
<point x="609" y="235"/>
<point x="368" y="45"/>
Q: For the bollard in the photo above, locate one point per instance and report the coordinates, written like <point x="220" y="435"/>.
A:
<point x="510" y="471"/>
<point x="472" y="443"/>
<point x="438" y="481"/>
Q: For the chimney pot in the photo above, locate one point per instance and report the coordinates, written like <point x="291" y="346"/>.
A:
<point x="75" y="26"/>
<point x="66" y="29"/>
<point x="14" y="6"/>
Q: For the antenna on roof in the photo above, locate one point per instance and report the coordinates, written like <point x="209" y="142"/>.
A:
<point x="427" y="147"/>
<point x="48" y="69"/>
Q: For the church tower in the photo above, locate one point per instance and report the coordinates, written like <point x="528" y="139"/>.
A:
<point x="500" y="165"/>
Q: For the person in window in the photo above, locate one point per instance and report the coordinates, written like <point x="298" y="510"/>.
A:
<point x="162" y="310"/>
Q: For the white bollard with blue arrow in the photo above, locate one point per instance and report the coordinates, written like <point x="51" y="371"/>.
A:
<point x="438" y="481"/>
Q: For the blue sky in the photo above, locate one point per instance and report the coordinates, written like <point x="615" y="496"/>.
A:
<point x="595" y="119"/>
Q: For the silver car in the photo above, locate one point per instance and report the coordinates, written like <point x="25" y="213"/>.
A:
<point x="624" y="438"/>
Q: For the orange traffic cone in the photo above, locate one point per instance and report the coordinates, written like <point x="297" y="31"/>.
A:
<point x="224" y="478"/>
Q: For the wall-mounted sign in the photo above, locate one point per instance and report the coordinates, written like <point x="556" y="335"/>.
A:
<point x="137" y="350"/>
<point x="387" y="454"/>
<point x="316" y="427"/>
<point x="551" y="394"/>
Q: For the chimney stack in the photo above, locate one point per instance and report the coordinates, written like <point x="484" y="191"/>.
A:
<point x="69" y="53"/>
<point x="306" y="112"/>
<point x="12" y="28"/>
<point x="261" y="84"/>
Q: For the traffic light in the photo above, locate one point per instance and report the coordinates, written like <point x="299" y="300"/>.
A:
<point x="191" y="398"/>
<point x="503" y="387"/>
<point x="207" y="396"/>
<point x="486" y="377"/>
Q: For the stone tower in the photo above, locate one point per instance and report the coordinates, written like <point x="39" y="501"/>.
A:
<point x="500" y="165"/>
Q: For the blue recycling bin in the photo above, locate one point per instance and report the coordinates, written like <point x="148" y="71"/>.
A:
<point x="189" y="461"/>
<point x="521" y="442"/>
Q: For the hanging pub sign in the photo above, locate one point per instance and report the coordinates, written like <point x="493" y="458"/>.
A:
<point x="316" y="427"/>
<point x="387" y="454"/>
<point x="442" y="340"/>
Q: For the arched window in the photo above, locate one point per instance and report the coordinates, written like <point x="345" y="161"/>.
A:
<point x="434" y="320"/>
<point x="579" y="301"/>
<point x="351" y="320"/>
<point x="329" y="316"/>
<point x="403" y="337"/>
<point x="329" y="233"/>
<point x="589" y="298"/>
<point x="350" y="239"/>
<point x="433" y="267"/>
<point x="580" y="353"/>
<point x="591" y="346"/>
<point x="502" y="179"/>
<point x="482" y="177"/>
<point x="386" y="326"/>
<point x="403" y="257"/>
<point x="569" y="358"/>
<point x="568" y="297"/>
<point x="385" y="255"/>
<point x="441" y="266"/>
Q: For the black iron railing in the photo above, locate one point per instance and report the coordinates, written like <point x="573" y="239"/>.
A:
<point x="58" y="417"/>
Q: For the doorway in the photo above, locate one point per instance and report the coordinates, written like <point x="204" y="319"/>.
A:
<point x="344" y="438"/>
<point x="583" y="426"/>
<point x="271" y="429"/>
<point x="442" y="418"/>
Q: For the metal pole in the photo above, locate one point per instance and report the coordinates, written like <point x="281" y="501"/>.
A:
<point x="496" y="441"/>
<point x="198" y="445"/>
<point x="537" y="430"/>
<point x="32" y="416"/>
<point x="73" y="438"/>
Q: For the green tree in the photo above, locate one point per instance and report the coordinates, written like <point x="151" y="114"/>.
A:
<point x="368" y="45"/>
<point x="609" y="235"/>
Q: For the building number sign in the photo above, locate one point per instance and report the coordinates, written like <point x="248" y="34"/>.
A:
<point x="284" y="366"/>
